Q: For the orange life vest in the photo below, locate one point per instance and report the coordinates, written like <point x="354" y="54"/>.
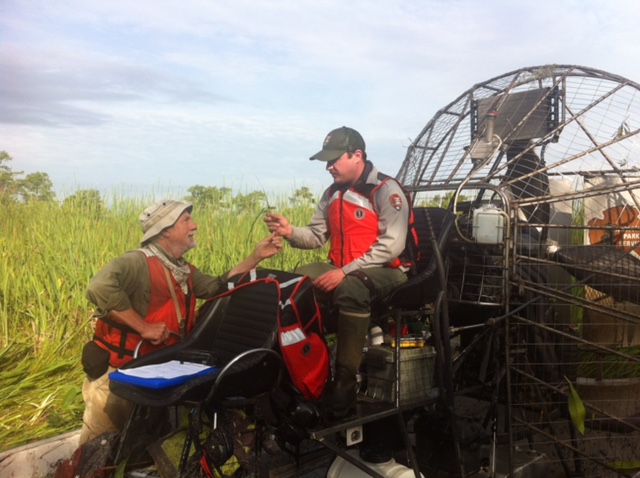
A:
<point x="353" y="222"/>
<point x="120" y="340"/>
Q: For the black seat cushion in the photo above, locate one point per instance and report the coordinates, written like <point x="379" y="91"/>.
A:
<point x="434" y="227"/>
<point x="244" y="319"/>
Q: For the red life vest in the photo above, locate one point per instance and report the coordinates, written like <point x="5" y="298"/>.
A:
<point x="120" y="340"/>
<point x="353" y="222"/>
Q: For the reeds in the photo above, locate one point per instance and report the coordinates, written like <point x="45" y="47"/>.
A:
<point x="48" y="254"/>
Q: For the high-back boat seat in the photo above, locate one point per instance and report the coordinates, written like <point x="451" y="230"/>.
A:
<point x="434" y="227"/>
<point x="239" y="330"/>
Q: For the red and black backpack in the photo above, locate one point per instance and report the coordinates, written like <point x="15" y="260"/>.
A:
<point x="299" y="331"/>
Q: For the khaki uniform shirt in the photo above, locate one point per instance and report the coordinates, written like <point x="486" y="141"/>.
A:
<point x="124" y="283"/>
<point x="393" y="224"/>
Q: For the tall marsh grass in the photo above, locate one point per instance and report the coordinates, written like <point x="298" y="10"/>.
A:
<point x="48" y="254"/>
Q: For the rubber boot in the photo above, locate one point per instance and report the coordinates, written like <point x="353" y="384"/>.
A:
<point x="339" y="396"/>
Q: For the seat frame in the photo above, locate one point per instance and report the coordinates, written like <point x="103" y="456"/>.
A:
<point x="239" y="330"/>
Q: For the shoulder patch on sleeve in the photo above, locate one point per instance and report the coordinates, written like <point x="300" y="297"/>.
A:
<point x="396" y="201"/>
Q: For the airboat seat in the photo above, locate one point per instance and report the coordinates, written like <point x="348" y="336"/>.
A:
<point x="604" y="268"/>
<point x="434" y="227"/>
<point x="234" y="333"/>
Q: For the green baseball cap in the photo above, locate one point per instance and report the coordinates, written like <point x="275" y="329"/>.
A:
<point x="339" y="141"/>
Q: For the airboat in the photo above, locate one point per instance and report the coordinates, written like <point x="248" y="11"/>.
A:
<point x="514" y="350"/>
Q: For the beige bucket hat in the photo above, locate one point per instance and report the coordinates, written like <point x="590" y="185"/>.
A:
<point x="160" y="216"/>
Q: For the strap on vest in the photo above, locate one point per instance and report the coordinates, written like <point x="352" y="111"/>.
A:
<point x="124" y="329"/>
<point x="182" y="323"/>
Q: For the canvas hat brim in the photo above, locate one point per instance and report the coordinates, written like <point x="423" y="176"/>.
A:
<point x="161" y="216"/>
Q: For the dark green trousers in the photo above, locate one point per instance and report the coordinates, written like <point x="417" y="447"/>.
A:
<point x="352" y="295"/>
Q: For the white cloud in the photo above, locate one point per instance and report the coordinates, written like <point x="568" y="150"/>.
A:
<point x="199" y="91"/>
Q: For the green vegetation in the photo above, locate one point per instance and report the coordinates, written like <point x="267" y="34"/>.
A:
<point x="13" y="187"/>
<point x="601" y="365"/>
<point x="48" y="253"/>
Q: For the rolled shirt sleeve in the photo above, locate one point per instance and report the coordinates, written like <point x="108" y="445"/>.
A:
<point x="316" y="233"/>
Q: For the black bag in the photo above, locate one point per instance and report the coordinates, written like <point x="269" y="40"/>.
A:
<point x="95" y="360"/>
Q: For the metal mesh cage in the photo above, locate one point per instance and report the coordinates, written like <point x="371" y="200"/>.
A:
<point x="546" y="305"/>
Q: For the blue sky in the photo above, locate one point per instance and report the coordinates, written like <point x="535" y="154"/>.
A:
<point x="156" y="95"/>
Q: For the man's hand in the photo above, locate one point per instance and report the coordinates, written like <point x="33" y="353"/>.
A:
<point x="268" y="247"/>
<point x="155" y="332"/>
<point x="265" y="248"/>
<point x="279" y="225"/>
<point x="329" y="280"/>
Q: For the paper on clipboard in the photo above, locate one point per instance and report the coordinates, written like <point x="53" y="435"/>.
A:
<point x="166" y="370"/>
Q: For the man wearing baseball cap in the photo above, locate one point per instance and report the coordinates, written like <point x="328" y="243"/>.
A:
<point x="147" y="295"/>
<point x="365" y="216"/>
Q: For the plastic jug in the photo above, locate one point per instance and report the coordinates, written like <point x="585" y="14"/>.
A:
<point x="488" y="225"/>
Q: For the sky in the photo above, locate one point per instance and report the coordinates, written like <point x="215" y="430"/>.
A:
<point x="156" y="96"/>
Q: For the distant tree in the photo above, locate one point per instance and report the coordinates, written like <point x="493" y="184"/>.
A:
<point x="251" y="201"/>
<point x="36" y="187"/>
<point x="33" y="187"/>
<point x="209" y="196"/>
<point x="302" y="196"/>
<point x="87" y="201"/>
<point x="9" y="187"/>
<point x="4" y="159"/>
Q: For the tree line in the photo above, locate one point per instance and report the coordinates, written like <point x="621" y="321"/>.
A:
<point x="38" y="187"/>
<point x="16" y="187"/>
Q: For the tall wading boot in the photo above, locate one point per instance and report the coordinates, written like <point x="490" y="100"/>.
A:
<point x="340" y="394"/>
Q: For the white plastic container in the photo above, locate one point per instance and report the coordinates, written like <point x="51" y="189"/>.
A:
<point x="376" y="336"/>
<point x="488" y="225"/>
<point x="341" y="468"/>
